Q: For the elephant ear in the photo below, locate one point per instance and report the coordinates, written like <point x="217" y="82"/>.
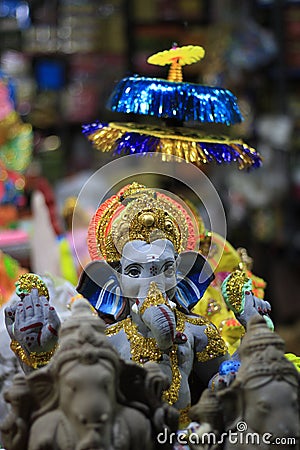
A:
<point x="194" y="275"/>
<point x="231" y="403"/>
<point x="99" y="284"/>
<point x="42" y="385"/>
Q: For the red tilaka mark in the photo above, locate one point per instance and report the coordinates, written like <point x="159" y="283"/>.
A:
<point x="165" y="313"/>
<point x="28" y="307"/>
<point x="52" y="330"/>
<point x="30" y="327"/>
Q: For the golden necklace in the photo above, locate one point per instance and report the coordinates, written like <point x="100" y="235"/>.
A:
<point x="144" y="349"/>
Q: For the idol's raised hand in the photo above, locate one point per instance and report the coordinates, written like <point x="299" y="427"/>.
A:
<point x="239" y="297"/>
<point x="33" y="325"/>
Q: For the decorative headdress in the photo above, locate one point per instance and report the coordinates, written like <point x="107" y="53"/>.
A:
<point x="139" y="213"/>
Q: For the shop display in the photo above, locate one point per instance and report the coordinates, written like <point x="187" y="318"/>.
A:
<point x="16" y="143"/>
<point x="167" y="340"/>
<point x="263" y="369"/>
<point x="148" y="298"/>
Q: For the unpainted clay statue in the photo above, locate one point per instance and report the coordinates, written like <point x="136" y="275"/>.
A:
<point x="86" y="397"/>
<point x="15" y="427"/>
<point x="261" y="407"/>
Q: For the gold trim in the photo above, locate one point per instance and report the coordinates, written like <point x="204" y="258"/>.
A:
<point x="154" y="298"/>
<point x="29" y="281"/>
<point x="33" y="359"/>
<point x="178" y="133"/>
<point x="200" y="321"/>
<point x="234" y="287"/>
<point x="145" y="349"/>
<point x="216" y="345"/>
<point x="184" y="418"/>
<point x="178" y="142"/>
<point x="144" y="217"/>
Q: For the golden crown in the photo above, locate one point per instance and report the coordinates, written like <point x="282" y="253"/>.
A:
<point x="139" y="213"/>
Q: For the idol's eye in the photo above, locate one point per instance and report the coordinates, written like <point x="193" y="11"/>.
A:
<point x="133" y="271"/>
<point x="263" y="406"/>
<point x="169" y="269"/>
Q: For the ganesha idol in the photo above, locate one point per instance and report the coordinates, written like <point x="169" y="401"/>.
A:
<point x="145" y="277"/>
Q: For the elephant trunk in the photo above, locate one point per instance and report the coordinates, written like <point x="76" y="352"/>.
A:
<point x="161" y="321"/>
<point x="159" y="318"/>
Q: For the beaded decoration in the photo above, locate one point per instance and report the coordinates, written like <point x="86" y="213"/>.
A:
<point x="154" y="298"/>
<point x="32" y="359"/>
<point x="29" y="281"/>
<point x="146" y="349"/>
<point x="234" y="288"/>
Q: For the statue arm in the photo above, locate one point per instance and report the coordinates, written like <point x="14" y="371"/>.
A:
<point x="32" y="324"/>
<point x="210" y="351"/>
<point x="239" y="297"/>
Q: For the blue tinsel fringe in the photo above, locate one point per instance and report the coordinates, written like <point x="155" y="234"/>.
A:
<point x="182" y="101"/>
<point x="136" y="143"/>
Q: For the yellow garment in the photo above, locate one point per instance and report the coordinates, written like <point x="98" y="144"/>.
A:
<point x="224" y="258"/>
<point x="67" y="264"/>
<point x="294" y="359"/>
<point x="213" y="307"/>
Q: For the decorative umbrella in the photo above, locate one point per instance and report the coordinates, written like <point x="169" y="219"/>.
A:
<point x="173" y="99"/>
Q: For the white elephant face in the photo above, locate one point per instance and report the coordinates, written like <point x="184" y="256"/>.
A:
<point x="142" y="263"/>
